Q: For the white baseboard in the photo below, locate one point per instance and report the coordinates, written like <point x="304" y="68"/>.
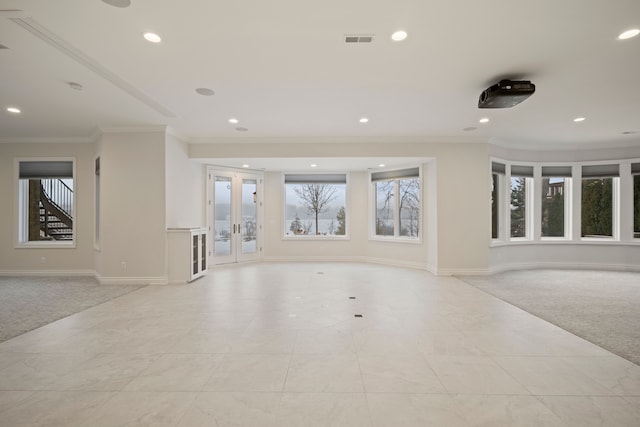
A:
<point x="131" y="280"/>
<point x="371" y="260"/>
<point x="397" y="263"/>
<point x="562" y="266"/>
<point x="463" y="272"/>
<point x="50" y="273"/>
<point x="314" y="259"/>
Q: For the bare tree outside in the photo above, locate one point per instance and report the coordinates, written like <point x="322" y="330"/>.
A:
<point x="407" y="210"/>
<point x="409" y="206"/>
<point x="316" y="198"/>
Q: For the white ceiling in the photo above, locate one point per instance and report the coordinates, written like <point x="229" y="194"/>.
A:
<point x="283" y="69"/>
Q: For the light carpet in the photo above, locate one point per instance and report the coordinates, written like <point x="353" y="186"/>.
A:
<point x="27" y="303"/>
<point x="601" y="307"/>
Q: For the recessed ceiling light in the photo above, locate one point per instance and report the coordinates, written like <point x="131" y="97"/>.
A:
<point x="313" y="165"/>
<point x="364" y="120"/>
<point x="152" y="37"/>
<point x="234" y="121"/>
<point x="241" y="129"/>
<point x="398" y="36"/>
<point x="205" y="91"/>
<point x="579" y="119"/>
<point x="484" y="120"/>
<point x="245" y="166"/>
<point x="13" y="110"/>
<point x="118" y="3"/>
<point x="381" y="165"/>
<point x="75" y="86"/>
<point x="629" y="34"/>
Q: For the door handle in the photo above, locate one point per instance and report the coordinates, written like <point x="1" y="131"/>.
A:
<point x="234" y="229"/>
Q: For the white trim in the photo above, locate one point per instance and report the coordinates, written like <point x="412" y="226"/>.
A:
<point x="540" y="265"/>
<point x="308" y="258"/>
<point x="20" y="239"/>
<point x="41" y="273"/>
<point x="48" y="140"/>
<point x="397" y="263"/>
<point x="364" y="259"/>
<point x="160" y="280"/>
<point x="135" y="129"/>
<point x="396" y="238"/>
<point x="347" y="209"/>
<point x="463" y="272"/>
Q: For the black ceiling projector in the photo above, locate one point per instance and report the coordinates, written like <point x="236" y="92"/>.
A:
<point x="506" y="94"/>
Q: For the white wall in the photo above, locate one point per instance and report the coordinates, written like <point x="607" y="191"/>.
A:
<point x="184" y="186"/>
<point x="68" y="261"/>
<point x="133" y="219"/>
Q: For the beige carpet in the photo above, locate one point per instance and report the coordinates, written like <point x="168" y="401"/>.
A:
<point x="601" y="307"/>
<point x="27" y="303"/>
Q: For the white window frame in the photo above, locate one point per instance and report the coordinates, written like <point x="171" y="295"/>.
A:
<point x="502" y="195"/>
<point x="615" y="205"/>
<point x="528" y="209"/>
<point x="20" y="221"/>
<point x="568" y="211"/>
<point x="321" y="237"/>
<point x="373" y="208"/>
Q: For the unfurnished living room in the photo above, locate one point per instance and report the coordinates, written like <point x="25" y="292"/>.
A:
<point x="287" y="213"/>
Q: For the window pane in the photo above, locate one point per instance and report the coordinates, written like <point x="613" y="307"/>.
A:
<point x="636" y="206"/>
<point x="315" y="209"/>
<point x="597" y="207"/>
<point x="518" y="206"/>
<point x="385" y="207"/>
<point x="553" y="207"/>
<point x="222" y="208"/>
<point x="49" y="209"/>
<point x="409" y="200"/>
<point x="495" y="185"/>
<point x="249" y="216"/>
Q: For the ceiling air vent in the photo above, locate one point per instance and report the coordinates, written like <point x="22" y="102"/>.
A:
<point x="358" y="39"/>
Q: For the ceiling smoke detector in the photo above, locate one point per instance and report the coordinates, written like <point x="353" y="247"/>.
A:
<point x="352" y="38"/>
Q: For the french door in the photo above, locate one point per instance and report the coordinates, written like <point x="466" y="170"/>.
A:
<point x="234" y="211"/>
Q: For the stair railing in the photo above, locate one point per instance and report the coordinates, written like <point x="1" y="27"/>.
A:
<point x="59" y="194"/>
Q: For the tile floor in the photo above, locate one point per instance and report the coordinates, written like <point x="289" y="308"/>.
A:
<point x="278" y="345"/>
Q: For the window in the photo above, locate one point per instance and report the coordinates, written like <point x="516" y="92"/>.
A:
<point x="46" y="202"/>
<point x="497" y="175"/>
<point x="635" y="171"/>
<point x="315" y="205"/>
<point x="598" y="190"/>
<point x="397" y="203"/>
<point x="555" y="181"/>
<point x="521" y="178"/>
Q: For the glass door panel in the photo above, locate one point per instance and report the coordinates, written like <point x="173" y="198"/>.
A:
<point x="249" y="232"/>
<point x="223" y="219"/>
